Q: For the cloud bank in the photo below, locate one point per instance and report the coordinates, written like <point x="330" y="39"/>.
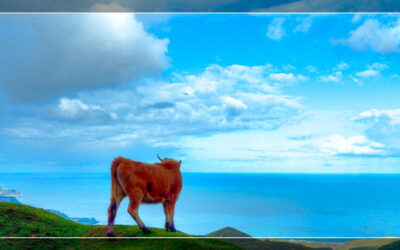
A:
<point x="234" y="97"/>
<point x="373" y="35"/>
<point x="358" y="145"/>
<point x="52" y="55"/>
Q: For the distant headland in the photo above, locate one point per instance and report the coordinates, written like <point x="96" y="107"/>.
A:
<point x="10" y="195"/>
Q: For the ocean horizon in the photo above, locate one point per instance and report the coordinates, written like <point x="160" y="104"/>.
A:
<point x="261" y="205"/>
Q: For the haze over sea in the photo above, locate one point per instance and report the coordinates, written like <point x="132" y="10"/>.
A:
<point x="270" y="205"/>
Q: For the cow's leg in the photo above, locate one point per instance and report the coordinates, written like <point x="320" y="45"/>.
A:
<point x="134" y="208"/>
<point x="167" y="221"/>
<point x="112" y="211"/>
<point x="171" y="212"/>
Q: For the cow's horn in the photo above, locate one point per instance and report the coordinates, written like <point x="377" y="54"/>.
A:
<point x="159" y="157"/>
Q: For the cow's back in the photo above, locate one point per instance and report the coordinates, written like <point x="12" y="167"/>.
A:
<point x="154" y="180"/>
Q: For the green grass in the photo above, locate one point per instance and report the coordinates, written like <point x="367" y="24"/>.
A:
<point x="368" y="244"/>
<point x="392" y="246"/>
<point x="18" y="220"/>
<point x="361" y="244"/>
<point x="24" y="221"/>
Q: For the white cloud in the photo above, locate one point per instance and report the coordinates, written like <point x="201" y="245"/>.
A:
<point x="337" y="77"/>
<point x="282" y="77"/>
<point x="275" y="29"/>
<point x="304" y="25"/>
<point x="235" y="97"/>
<point x="382" y="125"/>
<point x="76" y="110"/>
<point x="216" y="78"/>
<point x="352" y="145"/>
<point x="73" y="106"/>
<point x="368" y="73"/>
<point x="301" y="77"/>
<point x="384" y="116"/>
<point x="372" y="70"/>
<point x="374" y="35"/>
<point x="233" y="106"/>
<point x="356" y="80"/>
<point x="286" y="77"/>
<point x="246" y="95"/>
<point x="379" y="66"/>
<point x="288" y="67"/>
<point x="66" y="53"/>
<point x="311" y="68"/>
<point x="342" y="66"/>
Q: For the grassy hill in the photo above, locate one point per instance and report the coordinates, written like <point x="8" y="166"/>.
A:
<point x="392" y="246"/>
<point x="255" y="243"/>
<point x="24" y="221"/>
<point x="18" y="220"/>
<point x="228" y="232"/>
<point x="361" y="244"/>
<point x="370" y="244"/>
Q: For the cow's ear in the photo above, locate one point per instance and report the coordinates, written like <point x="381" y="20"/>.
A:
<point x="180" y="161"/>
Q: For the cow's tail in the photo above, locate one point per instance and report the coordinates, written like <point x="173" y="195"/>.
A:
<point x="114" y="178"/>
<point x="117" y="193"/>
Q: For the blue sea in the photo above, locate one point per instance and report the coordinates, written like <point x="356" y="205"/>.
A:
<point x="264" y="205"/>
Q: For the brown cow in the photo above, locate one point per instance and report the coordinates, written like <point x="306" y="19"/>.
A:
<point x="144" y="183"/>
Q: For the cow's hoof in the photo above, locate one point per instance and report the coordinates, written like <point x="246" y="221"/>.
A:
<point x="110" y="234"/>
<point x="173" y="229"/>
<point x="166" y="226"/>
<point x="145" y="230"/>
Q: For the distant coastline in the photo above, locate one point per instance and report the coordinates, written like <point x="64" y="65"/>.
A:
<point x="9" y="199"/>
<point x="81" y="220"/>
<point x="9" y="195"/>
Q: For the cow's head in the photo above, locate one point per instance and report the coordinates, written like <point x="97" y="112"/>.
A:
<point x="169" y="160"/>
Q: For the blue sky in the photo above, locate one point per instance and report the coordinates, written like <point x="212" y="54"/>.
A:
<point x="224" y="92"/>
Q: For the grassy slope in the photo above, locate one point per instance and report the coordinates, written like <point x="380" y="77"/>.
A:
<point x="362" y="244"/>
<point x="22" y="220"/>
<point x="255" y="244"/>
<point x="368" y="243"/>
<point x="393" y="246"/>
